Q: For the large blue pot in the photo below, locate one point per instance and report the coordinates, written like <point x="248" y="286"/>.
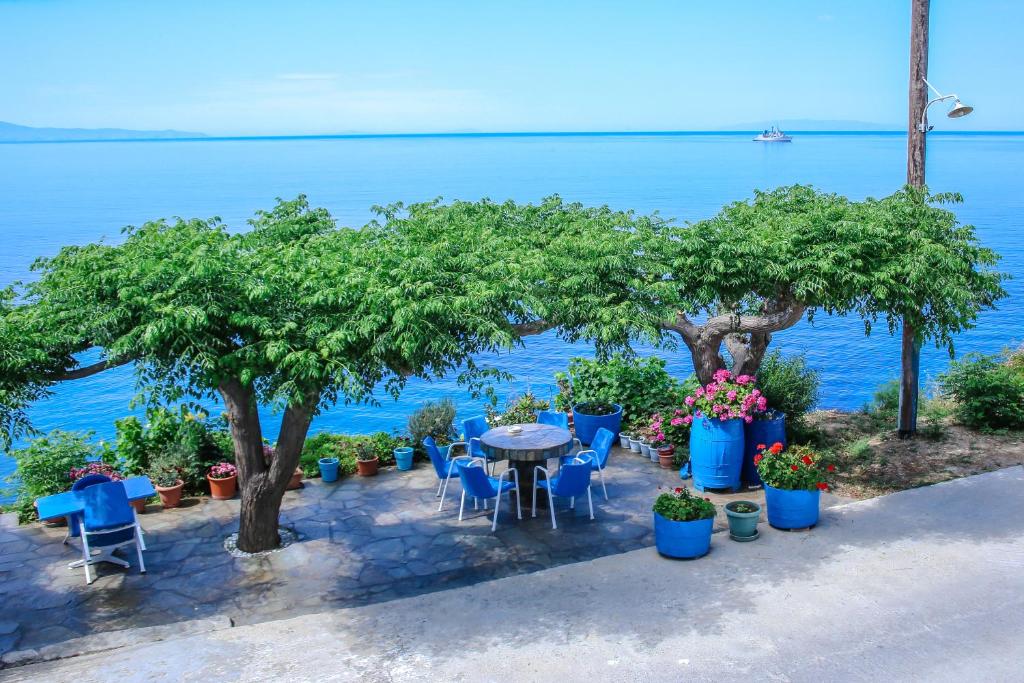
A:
<point x="587" y="425"/>
<point x="716" y="453"/>
<point x="758" y="432"/>
<point x="328" y="469"/>
<point x="403" y="458"/>
<point x="791" y="509"/>
<point x="682" y="539"/>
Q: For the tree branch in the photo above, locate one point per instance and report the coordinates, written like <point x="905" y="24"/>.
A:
<point x="90" y="370"/>
<point x="683" y="326"/>
<point x="760" y="324"/>
<point x="532" y="328"/>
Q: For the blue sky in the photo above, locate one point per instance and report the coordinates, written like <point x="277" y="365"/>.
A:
<point x="388" y="66"/>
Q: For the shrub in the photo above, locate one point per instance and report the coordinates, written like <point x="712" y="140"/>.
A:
<point x="988" y="391"/>
<point x="518" y="410"/>
<point x="44" y="467"/>
<point x="683" y="506"/>
<point x="886" y="401"/>
<point x="436" y="419"/>
<point x="790" y="387"/>
<point x="798" y="468"/>
<point x="640" y="385"/>
<point x="322" y="445"/>
<point x="728" y="398"/>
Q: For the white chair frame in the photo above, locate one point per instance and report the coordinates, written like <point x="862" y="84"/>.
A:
<point x="442" y="486"/>
<point x="600" y="470"/>
<point x="551" y="499"/>
<point x="497" y="501"/>
<point x="106" y="552"/>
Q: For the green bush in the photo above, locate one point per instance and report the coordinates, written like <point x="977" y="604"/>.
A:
<point x="640" y="385"/>
<point x="343" y="447"/>
<point x="436" y="419"/>
<point x="44" y="465"/>
<point x="790" y="387"/>
<point x="518" y="410"/>
<point x="988" y="391"/>
<point x="886" y="401"/>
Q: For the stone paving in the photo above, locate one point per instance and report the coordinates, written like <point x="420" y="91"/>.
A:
<point x="361" y="540"/>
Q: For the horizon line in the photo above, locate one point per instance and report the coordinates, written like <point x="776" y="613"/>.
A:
<point x="493" y="134"/>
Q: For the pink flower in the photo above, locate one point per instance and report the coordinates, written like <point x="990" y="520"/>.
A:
<point x="688" y="419"/>
<point x="722" y="374"/>
<point x="676" y="421"/>
<point x="700" y="391"/>
<point x="744" y="379"/>
<point x="748" y="419"/>
<point x="659" y="437"/>
<point x="762" y="403"/>
<point x="689" y="400"/>
<point x="731" y="395"/>
<point x="678" y="411"/>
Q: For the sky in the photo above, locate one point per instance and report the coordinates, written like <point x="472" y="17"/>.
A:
<point x="386" y="66"/>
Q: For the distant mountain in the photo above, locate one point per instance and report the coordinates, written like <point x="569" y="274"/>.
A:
<point x="813" y="124"/>
<point x="10" y="132"/>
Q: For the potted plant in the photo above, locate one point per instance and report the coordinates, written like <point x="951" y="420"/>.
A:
<point x="296" y="481"/>
<point x="768" y="426"/>
<point x="223" y="478"/>
<point x="683" y="524"/>
<point x="721" y="409"/>
<point x="671" y="429"/>
<point x="366" y="460"/>
<point x="168" y="485"/>
<point x="634" y="443"/>
<point x="793" y="482"/>
<point x="743" y="516"/>
<point x="589" y="417"/>
<point x="624" y="440"/>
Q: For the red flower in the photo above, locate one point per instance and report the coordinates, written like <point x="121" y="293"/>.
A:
<point x="758" y="458"/>
<point x="707" y="499"/>
<point x="806" y="460"/>
<point x="823" y="486"/>
<point x="831" y="468"/>
<point x="761" y="447"/>
<point x="679" y="489"/>
<point x="776" y="448"/>
<point x="794" y="467"/>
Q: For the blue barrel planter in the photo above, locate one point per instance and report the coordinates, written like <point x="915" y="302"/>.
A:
<point x="685" y="540"/>
<point x="328" y="469"/>
<point x="758" y="432"/>
<point x="587" y="425"/>
<point x="403" y="458"/>
<point x="791" y="509"/>
<point x="716" y="453"/>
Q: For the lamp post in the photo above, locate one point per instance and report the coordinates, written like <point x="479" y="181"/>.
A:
<point x="917" y="130"/>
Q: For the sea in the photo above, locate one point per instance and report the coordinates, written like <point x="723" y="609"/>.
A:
<point x="56" y="194"/>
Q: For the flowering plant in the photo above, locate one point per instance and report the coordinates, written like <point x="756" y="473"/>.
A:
<point x="796" y="469"/>
<point x="671" y="428"/>
<point x="683" y="506"/>
<point x="76" y="473"/>
<point x="728" y="397"/>
<point x="223" y="470"/>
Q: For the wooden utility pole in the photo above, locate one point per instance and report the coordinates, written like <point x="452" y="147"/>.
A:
<point x="910" y="367"/>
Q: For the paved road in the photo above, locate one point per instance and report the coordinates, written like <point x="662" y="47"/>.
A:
<point x="922" y="585"/>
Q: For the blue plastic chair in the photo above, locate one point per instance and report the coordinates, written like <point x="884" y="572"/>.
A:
<point x="83" y="483"/>
<point x="444" y="464"/>
<point x="553" y="418"/>
<point x="473" y="429"/>
<point x="600" y="449"/>
<point x="477" y="483"/>
<point x="108" y="523"/>
<point x="573" y="479"/>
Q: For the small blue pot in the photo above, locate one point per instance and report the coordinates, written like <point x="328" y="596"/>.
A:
<point x="403" y="457"/>
<point x="791" y="509"/>
<point x="684" y="540"/>
<point x="759" y="432"/>
<point x="587" y="425"/>
<point x="328" y="469"/>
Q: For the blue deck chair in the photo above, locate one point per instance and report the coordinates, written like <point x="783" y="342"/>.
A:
<point x="108" y="523"/>
<point x="473" y="429"/>
<point x="477" y="483"/>
<point x="83" y="483"/>
<point x="553" y="418"/>
<point x="600" y="449"/>
<point x="444" y="465"/>
<point x="572" y="480"/>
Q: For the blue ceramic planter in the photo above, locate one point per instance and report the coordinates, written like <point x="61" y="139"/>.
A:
<point x="791" y="509"/>
<point x="328" y="469"/>
<point x="403" y="457"/>
<point x="682" y="539"/>
<point x="587" y="425"/>
<point x="764" y="432"/>
<point x="716" y="453"/>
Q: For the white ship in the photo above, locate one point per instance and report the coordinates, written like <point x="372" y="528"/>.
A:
<point x="772" y="135"/>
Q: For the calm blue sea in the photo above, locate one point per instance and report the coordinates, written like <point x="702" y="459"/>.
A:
<point x="72" y="193"/>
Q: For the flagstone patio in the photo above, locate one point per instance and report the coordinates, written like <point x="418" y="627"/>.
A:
<point x="361" y="540"/>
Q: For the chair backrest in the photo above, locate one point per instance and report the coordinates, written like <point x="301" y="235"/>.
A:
<point x="602" y="445"/>
<point x="554" y="418"/>
<point x="475" y="427"/>
<point x="573" y="478"/>
<point x="439" y="462"/>
<point x="89" y="480"/>
<point x="106" y="506"/>
<point x="475" y="481"/>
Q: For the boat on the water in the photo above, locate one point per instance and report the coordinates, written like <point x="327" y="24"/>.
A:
<point x="772" y="134"/>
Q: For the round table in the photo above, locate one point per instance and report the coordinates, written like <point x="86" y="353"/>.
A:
<point x="533" y="446"/>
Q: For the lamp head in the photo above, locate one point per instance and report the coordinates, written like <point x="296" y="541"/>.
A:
<point x="959" y="109"/>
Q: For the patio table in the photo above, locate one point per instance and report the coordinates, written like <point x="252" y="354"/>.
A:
<point x="534" y="445"/>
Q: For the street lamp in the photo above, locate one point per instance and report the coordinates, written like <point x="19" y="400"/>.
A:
<point x="959" y="108"/>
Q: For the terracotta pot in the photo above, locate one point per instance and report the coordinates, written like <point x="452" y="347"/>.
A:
<point x="223" y="489"/>
<point x="296" y="480"/>
<point x="367" y="468"/>
<point x="170" y="496"/>
<point x="666" y="457"/>
<point x="139" y="505"/>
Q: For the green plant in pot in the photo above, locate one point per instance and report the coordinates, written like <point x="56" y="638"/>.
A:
<point x="743" y="516"/>
<point x="367" y="461"/>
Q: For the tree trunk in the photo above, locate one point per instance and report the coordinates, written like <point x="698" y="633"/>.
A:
<point x="259" y="515"/>
<point x="705" y="350"/>
<point x="747" y="351"/>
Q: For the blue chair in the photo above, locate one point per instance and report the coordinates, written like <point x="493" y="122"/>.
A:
<point x="553" y="418"/>
<point x="83" y="483"/>
<point x="573" y="479"/>
<point x="473" y="429"/>
<point x="600" y="449"/>
<point x="444" y="464"/>
<point x="477" y="483"/>
<point x="108" y="523"/>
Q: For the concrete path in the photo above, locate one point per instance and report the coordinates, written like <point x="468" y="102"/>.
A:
<point x="926" y="584"/>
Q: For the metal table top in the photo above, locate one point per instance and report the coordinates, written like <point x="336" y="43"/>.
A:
<point x="536" y="443"/>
